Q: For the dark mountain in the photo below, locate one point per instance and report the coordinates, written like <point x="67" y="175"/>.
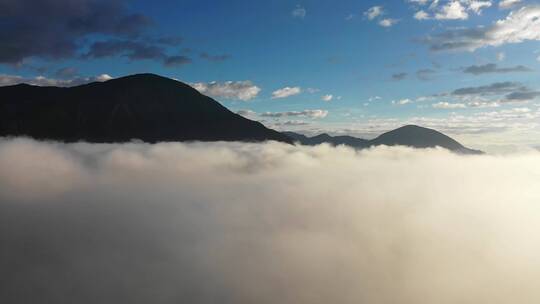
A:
<point x="147" y="107"/>
<point x="411" y="135"/>
<point x="325" y="138"/>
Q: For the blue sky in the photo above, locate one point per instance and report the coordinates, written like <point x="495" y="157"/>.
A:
<point x="468" y="68"/>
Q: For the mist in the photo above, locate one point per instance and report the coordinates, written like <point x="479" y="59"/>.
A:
<point x="265" y="223"/>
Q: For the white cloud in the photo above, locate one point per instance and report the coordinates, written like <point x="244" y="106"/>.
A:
<point x="448" y="105"/>
<point x="328" y="97"/>
<point x="501" y="56"/>
<point x="519" y="26"/>
<point x="240" y="90"/>
<point x="286" y="92"/>
<point x="419" y="2"/>
<point x="478" y="6"/>
<point x="374" y="12"/>
<point x="506" y="4"/>
<point x="304" y="113"/>
<point x="451" y="11"/>
<point x="6" y="80"/>
<point x="267" y="223"/>
<point x="104" y="77"/>
<point x="246" y="113"/>
<point x="388" y="22"/>
<point x="421" y="15"/>
<point x="402" y="101"/>
<point x="538" y="58"/>
<point x="374" y="98"/>
<point x="299" y="12"/>
<point x="483" y="104"/>
<point x="289" y="123"/>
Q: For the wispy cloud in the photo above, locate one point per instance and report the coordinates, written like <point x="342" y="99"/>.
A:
<point x="286" y="92"/>
<point x="239" y="90"/>
<point x="519" y="26"/>
<point x="327" y="97"/>
<point x="507" y="4"/>
<point x="448" y="105"/>
<point x="374" y="12"/>
<point x="402" y="102"/>
<point x="492" y="68"/>
<point x="299" y="12"/>
<point x="399" y="76"/>
<point x="304" y="113"/>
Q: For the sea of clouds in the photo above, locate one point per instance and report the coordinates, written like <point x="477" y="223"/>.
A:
<point x="266" y="223"/>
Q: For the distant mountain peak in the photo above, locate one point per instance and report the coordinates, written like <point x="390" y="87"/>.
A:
<point x="408" y="135"/>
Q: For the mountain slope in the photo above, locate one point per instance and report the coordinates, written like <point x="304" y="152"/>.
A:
<point x="410" y="135"/>
<point x="147" y="107"/>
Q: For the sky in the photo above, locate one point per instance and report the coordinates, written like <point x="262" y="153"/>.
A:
<point x="468" y="68"/>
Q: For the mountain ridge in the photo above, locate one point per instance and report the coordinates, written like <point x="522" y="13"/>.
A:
<point x="152" y="108"/>
<point x="146" y="106"/>
<point x="408" y="135"/>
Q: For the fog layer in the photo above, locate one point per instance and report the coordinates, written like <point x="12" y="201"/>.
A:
<point x="266" y="223"/>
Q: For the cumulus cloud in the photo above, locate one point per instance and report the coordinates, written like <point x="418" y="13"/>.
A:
<point x="286" y="92"/>
<point x="6" y="80"/>
<point x="305" y="113"/>
<point x="267" y="223"/>
<point x="241" y="90"/>
<point x="421" y="15"/>
<point x="388" y="22"/>
<point x="374" y="12"/>
<point x="519" y="26"/>
<point x="492" y="68"/>
<point x="450" y="10"/>
<point x="327" y="97"/>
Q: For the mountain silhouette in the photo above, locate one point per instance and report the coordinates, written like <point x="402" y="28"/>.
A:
<point x="410" y="135"/>
<point x="146" y="107"/>
<point x="325" y="138"/>
<point x="152" y="108"/>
